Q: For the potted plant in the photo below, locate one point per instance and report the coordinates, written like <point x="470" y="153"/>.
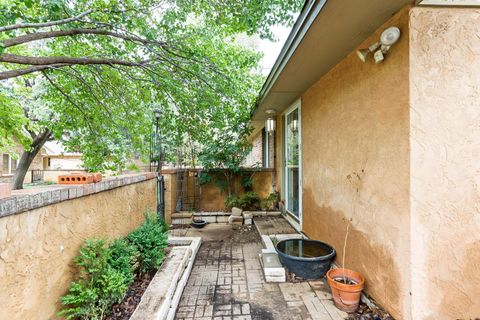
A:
<point x="346" y="284"/>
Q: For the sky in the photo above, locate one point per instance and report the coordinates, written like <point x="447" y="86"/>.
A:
<point x="270" y="49"/>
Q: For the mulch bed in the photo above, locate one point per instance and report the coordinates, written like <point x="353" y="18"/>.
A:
<point x="373" y="312"/>
<point x="125" y="309"/>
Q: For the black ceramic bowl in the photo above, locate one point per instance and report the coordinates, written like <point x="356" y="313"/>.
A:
<point x="199" y="224"/>
<point x="309" y="259"/>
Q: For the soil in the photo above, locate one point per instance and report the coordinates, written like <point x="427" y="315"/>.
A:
<point x="292" y="278"/>
<point x="345" y="280"/>
<point x="125" y="309"/>
<point x="372" y="312"/>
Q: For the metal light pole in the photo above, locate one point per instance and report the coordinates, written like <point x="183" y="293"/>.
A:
<point x="160" y="180"/>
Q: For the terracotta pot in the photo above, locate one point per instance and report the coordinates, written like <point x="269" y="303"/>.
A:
<point x="346" y="296"/>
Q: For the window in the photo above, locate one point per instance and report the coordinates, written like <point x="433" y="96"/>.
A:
<point x="9" y="164"/>
<point x="292" y="161"/>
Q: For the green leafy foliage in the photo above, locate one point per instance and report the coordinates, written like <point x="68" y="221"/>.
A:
<point x="269" y="202"/>
<point x="123" y="257"/>
<point x="99" y="286"/>
<point x="247" y="201"/>
<point x="149" y="240"/>
<point x="105" y="272"/>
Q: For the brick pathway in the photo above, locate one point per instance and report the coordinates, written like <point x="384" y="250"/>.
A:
<point x="227" y="283"/>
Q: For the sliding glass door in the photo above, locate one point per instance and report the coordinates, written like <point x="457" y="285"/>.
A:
<point x="293" y="161"/>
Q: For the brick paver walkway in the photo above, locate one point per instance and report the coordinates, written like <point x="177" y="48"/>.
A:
<point x="227" y="283"/>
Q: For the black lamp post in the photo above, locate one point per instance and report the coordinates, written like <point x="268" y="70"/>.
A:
<point x="160" y="180"/>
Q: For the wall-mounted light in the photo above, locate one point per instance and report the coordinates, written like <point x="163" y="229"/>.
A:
<point x="270" y="123"/>
<point x="294" y="125"/>
<point x="388" y="38"/>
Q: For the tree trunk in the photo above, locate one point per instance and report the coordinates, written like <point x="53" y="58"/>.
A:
<point x="27" y="158"/>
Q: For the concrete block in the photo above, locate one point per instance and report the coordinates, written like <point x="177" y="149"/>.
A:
<point x="267" y="242"/>
<point x="236" y="211"/>
<point x="182" y="215"/>
<point x="209" y="219"/>
<point x="56" y="196"/>
<point x="237" y="220"/>
<point x="7" y="207"/>
<point x="247" y="221"/>
<point x="272" y="268"/>
<point x="64" y="194"/>
<point x="36" y="200"/>
<point x="273" y="213"/>
<point x="247" y="215"/>
<point x="270" y="260"/>
<point x="269" y="251"/>
<point x="22" y="203"/>
<point x="222" y="219"/>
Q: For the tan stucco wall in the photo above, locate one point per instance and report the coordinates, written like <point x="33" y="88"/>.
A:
<point x="213" y="199"/>
<point x="356" y="118"/>
<point x="445" y="162"/>
<point x="37" y="247"/>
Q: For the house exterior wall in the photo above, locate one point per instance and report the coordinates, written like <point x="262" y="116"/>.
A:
<point x="355" y="119"/>
<point x="37" y="164"/>
<point x="255" y="157"/>
<point x="445" y="162"/>
<point x="65" y="163"/>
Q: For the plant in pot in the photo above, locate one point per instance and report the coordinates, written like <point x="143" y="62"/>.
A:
<point x="346" y="284"/>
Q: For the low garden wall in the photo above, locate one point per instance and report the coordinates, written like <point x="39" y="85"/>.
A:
<point x="41" y="231"/>
<point x="208" y="196"/>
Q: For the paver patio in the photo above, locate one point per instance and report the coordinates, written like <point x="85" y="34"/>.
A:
<point x="227" y="283"/>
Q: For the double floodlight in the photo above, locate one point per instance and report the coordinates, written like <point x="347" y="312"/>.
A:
<point x="388" y="38"/>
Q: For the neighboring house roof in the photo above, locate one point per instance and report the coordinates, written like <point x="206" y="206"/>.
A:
<point x="55" y="148"/>
<point x="324" y="34"/>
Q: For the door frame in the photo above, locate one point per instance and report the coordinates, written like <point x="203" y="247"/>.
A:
<point x="296" y="221"/>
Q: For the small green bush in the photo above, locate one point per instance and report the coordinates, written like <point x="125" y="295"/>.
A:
<point x="106" y="272"/>
<point x="98" y="287"/>
<point x="248" y="201"/>
<point x="269" y="202"/>
<point x="150" y="239"/>
<point x="232" y="201"/>
<point x="123" y="257"/>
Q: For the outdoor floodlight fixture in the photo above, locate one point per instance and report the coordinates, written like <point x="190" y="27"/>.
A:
<point x="388" y="38"/>
<point x="270" y="123"/>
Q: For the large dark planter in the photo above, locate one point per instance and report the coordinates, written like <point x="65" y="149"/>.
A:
<point x="309" y="259"/>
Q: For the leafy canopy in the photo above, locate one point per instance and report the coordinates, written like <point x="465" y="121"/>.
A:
<point x="96" y="70"/>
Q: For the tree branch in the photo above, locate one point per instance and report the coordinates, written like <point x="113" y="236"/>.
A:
<point x="20" y="72"/>
<point x="42" y="61"/>
<point x="44" y="24"/>
<point x="72" y="32"/>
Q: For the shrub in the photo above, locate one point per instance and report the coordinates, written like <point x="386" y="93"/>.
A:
<point x="248" y="201"/>
<point x="98" y="287"/>
<point x="269" y="202"/>
<point x="232" y="201"/>
<point x="123" y="257"/>
<point x="150" y="239"/>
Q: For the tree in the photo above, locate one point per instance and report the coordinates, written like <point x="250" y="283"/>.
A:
<point x="96" y="69"/>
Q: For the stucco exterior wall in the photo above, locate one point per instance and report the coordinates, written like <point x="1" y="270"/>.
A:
<point x="37" y="247"/>
<point x="355" y="119"/>
<point x="445" y="162"/>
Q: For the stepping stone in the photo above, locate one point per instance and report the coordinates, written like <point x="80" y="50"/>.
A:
<point x="272" y="268"/>
<point x="237" y="212"/>
<point x="235" y="220"/>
